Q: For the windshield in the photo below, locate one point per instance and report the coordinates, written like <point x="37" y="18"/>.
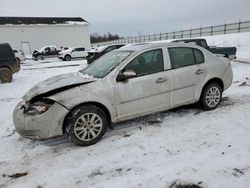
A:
<point x="105" y="64"/>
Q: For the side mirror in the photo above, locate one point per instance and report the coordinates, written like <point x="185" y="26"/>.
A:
<point x="122" y="76"/>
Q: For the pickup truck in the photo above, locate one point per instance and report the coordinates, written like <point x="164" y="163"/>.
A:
<point x="228" y="52"/>
<point x="46" y="51"/>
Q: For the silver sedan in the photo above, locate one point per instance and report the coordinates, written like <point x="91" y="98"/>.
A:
<point x="132" y="81"/>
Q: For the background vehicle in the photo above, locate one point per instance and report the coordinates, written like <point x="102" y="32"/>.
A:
<point x="130" y="82"/>
<point x="71" y="53"/>
<point x="19" y="55"/>
<point x="46" y="51"/>
<point x="228" y="52"/>
<point x="8" y="63"/>
<point x="95" y="54"/>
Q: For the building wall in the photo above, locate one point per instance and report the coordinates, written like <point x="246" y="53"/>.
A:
<point x="42" y="35"/>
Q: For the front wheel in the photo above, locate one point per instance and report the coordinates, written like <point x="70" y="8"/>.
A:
<point x="67" y="58"/>
<point x="211" y="96"/>
<point x="86" y="125"/>
<point x="5" y="75"/>
<point x="39" y="57"/>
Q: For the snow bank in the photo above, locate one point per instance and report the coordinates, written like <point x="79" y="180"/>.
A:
<point x="186" y="144"/>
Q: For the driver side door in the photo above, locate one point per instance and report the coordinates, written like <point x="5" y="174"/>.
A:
<point x="149" y="91"/>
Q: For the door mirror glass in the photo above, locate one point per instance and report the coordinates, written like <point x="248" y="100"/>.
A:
<point x="122" y="76"/>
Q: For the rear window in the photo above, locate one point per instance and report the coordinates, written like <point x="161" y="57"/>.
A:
<point x="5" y="51"/>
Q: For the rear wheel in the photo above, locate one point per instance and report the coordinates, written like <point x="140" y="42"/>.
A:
<point x="86" y="125"/>
<point x="211" y="96"/>
<point x="5" y="75"/>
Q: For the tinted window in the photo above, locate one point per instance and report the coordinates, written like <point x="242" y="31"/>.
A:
<point x="80" y="49"/>
<point x="181" y="57"/>
<point x="203" y="44"/>
<point x="5" y="52"/>
<point x="199" y="57"/>
<point x="147" y="63"/>
<point x="109" y="49"/>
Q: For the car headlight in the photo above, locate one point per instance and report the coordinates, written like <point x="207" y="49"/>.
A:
<point x="38" y="107"/>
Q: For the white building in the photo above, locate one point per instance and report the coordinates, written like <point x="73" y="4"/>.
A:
<point x="30" y="33"/>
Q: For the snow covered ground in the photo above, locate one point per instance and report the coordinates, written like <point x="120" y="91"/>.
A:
<point x="186" y="144"/>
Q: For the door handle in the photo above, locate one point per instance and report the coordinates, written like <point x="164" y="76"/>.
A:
<point x="161" y="80"/>
<point x="200" y="71"/>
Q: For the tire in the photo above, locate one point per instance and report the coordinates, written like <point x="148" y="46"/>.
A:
<point x="18" y="60"/>
<point x="39" y="58"/>
<point x="86" y="125"/>
<point x="210" y="96"/>
<point x="67" y="58"/>
<point x="5" y="75"/>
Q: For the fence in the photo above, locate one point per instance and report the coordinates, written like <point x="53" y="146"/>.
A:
<point x="237" y="27"/>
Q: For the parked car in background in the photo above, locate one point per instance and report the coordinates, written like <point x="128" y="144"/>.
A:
<point x="95" y="54"/>
<point x="19" y="55"/>
<point x="228" y="52"/>
<point x="46" y="51"/>
<point x="8" y="63"/>
<point x="130" y="82"/>
<point x="72" y="53"/>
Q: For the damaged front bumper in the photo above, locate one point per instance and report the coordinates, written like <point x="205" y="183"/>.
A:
<point x="40" y="126"/>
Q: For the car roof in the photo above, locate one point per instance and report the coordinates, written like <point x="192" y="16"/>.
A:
<point x="142" y="46"/>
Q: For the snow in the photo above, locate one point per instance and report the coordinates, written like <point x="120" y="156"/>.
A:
<point x="184" y="144"/>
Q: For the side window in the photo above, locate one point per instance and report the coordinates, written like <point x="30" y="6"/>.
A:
<point x="181" y="57"/>
<point x="199" y="57"/>
<point x="109" y="49"/>
<point x="147" y="63"/>
<point x="81" y="49"/>
<point x="203" y="44"/>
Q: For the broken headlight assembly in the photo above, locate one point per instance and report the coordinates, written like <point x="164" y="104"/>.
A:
<point x="38" y="107"/>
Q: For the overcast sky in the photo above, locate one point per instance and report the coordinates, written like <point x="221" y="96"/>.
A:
<point x="131" y="17"/>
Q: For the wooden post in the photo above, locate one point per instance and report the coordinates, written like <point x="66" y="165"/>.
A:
<point x="239" y="26"/>
<point x="225" y="28"/>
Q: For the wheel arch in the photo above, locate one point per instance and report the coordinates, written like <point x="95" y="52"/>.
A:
<point x="67" y="55"/>
<point x="213" y="80"/>
<point x="97" y="104"/>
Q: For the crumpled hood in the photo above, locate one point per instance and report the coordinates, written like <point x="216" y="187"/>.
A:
<point x="57" y="82"/>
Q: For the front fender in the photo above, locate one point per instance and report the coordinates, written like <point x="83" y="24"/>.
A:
<point x="86" y="94"/>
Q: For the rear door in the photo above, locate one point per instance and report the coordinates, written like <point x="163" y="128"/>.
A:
<point x="79" y="52"/>
<point x="149" y="91"/>
<point x="188" y="71"/>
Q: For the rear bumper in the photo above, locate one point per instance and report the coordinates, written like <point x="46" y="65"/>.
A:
<point x="228" y="77"/>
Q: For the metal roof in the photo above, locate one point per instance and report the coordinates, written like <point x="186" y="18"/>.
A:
<point x="40" y="20"/>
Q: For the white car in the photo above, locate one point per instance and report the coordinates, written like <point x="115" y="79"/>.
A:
<point x="71" y="53"/>
<point x="19" y="55"/>
<point x="130" y="82"/>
